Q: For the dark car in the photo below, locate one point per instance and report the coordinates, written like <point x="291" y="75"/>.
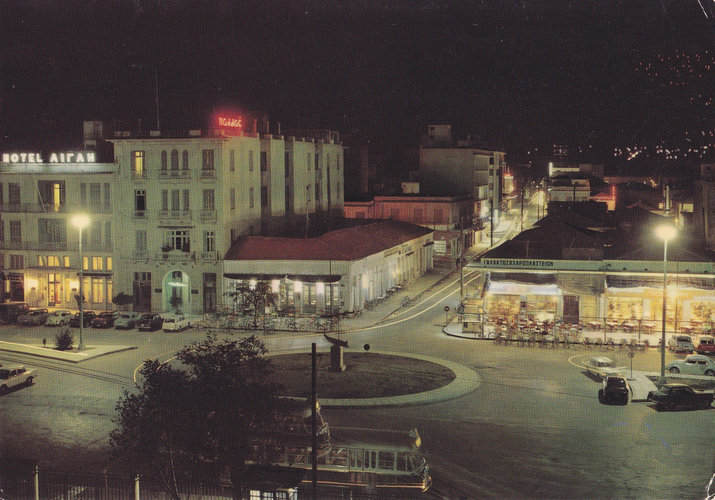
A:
<point x="615" y="388"/>
<point x="150" y="322"/>
<point x="673" y="396"/>
<point x="103" y="320"/>
<point x="33" y="317"/>
<point x="88" y="317"/>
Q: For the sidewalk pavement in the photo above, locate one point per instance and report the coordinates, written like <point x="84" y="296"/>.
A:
<point x="90" y="352"/>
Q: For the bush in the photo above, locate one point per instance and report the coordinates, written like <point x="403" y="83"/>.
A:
<point x="64" y="340"/>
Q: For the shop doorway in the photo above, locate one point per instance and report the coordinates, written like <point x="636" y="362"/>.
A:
<point x="571" y="309"/>
<point x="176" y="292"/>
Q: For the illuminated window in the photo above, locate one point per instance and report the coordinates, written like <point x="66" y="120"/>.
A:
<point x="65" y="261"/>
<point x="109" y="288"/>
<point x="97" y="290"/>
<point x="53" y="261"/>
<point x="109" y="263"/>
<point x="40" y="261"/>
<point x="137" y="159"/>
<point x="97" y="263"/>
<point x="85" y="263"/>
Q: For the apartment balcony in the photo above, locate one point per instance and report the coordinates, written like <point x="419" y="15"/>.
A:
<point x="175" y="216"/>
<point x="54" y="246"/>
<point x="139" y="214"/>
<point x="208" y="257"/>
<point x="183" y="174"/>
<point x="206" y="173"/>
<point x="207" y="215"/>
<point x="176" y="257"/>
<point x="139" y="175"/>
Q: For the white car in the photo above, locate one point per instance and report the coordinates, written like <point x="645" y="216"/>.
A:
<point x="59" y="317"/>
<point x="602" y="367"/>
<point x="126" y="320"/>
<point x="695" y="364"/>
<point x="12" y="376"/>
<point x="176" y="323"/>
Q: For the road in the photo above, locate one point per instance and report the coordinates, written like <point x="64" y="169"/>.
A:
<point x="533" y="428"/>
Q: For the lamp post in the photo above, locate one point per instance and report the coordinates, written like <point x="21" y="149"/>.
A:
<point x="665" y="232"/>
<point x="80" y="221"/>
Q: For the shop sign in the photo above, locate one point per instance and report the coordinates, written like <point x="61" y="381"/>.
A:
<point x="528" y="263"/>
<point x="229" y="122"/>
<point x="63" y="157"/>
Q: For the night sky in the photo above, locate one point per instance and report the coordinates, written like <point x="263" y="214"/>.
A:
<point x="596" y="75"/>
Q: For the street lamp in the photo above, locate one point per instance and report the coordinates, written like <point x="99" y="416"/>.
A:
<point x="665" y="232"/>
<point x="80" y="221"/>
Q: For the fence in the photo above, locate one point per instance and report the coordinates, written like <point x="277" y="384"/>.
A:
<point x="23" y="480"/>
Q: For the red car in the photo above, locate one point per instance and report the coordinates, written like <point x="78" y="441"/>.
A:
<point x="707" y="345"/>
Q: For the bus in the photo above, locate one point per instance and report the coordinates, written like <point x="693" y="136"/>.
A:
<point x="9" y="311"/>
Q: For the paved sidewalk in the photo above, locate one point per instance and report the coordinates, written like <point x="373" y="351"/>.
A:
<point x="92" y="351"/>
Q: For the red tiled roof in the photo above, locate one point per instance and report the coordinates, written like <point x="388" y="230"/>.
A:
<point x="349" y="244"/>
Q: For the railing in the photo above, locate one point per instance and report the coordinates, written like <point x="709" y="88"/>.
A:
<point x="176" y="256"/>
<point x="175" y="174"/>
<point x="34" y="245"/>
<point x="208" y="256"/>
<point x="206" y="173"/>
<point x="139" y="175"/>
<point x="175" y="214"/>
<point x="205" y="215"/>
<point x="139" y="214"/>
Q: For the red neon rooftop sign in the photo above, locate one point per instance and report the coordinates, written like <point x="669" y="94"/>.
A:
<point x="234" y="122"/>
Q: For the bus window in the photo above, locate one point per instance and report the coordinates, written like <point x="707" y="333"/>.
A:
<point x="356" y="459"/>
<point x="387" y="460"/>
<point x="339" y="457"/>
<point x="402" y="462"/>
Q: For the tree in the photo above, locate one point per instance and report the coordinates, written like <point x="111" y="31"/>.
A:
<point x="175" y="301"/>
<point x="122" y="299"/>
<point x="256" y="298"/>
<point x="199" y="421"/>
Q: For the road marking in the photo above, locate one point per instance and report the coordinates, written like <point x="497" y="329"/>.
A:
<point x="136" y="370"/>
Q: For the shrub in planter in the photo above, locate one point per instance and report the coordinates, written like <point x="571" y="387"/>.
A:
<point x="64" y="340"/>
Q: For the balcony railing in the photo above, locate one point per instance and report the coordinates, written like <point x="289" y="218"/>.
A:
<point x="208" y="256"/>
<point x="176" y="256"/>
<point x="207" y="215"/>
<point x="34" y="245"/>
<point x="175" y="215"/>
<point x="206" y="173"/>
<point x="139" y="214"/>
<point x="175" y="174"/>
<point x="139" y="174"/>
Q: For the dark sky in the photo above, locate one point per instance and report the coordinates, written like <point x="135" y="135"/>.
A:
<point x="518" y="73"/>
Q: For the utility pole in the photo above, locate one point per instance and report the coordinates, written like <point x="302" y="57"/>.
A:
<point x="314" y="423"/>
<point x="461" y="258"/>
<point x="522" y="208"/>
<point x="491" y="233"/>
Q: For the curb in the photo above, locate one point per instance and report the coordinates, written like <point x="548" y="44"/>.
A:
<point x="70" y="357"/>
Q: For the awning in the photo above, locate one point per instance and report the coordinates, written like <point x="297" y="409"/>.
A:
<point x="305" y="278"/>
<point x="581" y="283"/>
<point x="615" y="282"/>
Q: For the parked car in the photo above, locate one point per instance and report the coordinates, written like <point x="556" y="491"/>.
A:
<point x="694" y="364"/>
<point x="176" y="322"/>
<point x="12" y="376"/>
<point x="706" y="345"/>
<point x="59" y="317"/>
<point x="9" y="311"/>
<point x="33" y="317"/>
<point x="602" y="366"/>
<point x="105" y="319"/>
<point x="681" y="343"/>
<point x="672" y="396"/>
<point x="126" y="321"/>
<point x="150" y="322"/>
<point x="88" y="317"/>
<point x="615" y="388"/>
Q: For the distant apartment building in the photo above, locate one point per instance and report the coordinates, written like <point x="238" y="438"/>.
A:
<point x="566" y="188"/>
<point x="452" y="218"/>
<point x="450" y="167"/>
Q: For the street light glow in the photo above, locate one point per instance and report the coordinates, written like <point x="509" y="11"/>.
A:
<point x="665" y="232"/>
<point x="80" y="221"/>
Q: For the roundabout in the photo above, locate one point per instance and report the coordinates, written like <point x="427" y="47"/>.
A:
<point x="408" y="379"/>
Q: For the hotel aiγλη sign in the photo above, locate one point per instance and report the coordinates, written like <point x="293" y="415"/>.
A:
<point x="526" y="263"/>
<point x="229" y="122"/>
<point x="65" y="157"/>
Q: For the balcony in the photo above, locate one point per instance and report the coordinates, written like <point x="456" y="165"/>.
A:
<point x="54" y="246"/>
<point x="206" y="173"/>
<point x="207" y="215"/>
<point x="177" y="216"/>
<point x="139" y="174"/>
<point x="208" y="257"/>
<point x="177" y="174"/>
<point x="176" y="256"/>
<point x="139" y="214"/>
